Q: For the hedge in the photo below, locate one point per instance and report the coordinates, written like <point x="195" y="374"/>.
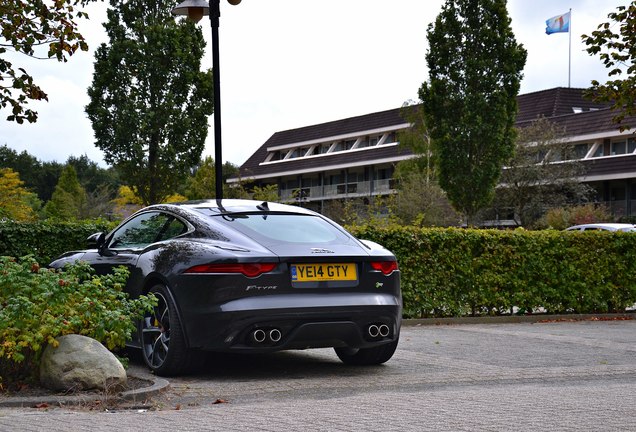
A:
<point x="448" y="272"/>
<point x="46" y="240"/>
<point x="458" y="272"/>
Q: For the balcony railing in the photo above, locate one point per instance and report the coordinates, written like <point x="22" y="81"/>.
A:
<point x="341" y="190"/>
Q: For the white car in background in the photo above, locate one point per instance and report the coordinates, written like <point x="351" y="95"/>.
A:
<point x="603" y="227"/>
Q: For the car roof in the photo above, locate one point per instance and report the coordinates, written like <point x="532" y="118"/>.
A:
<point x="236" y="206"/>
<point x="604" y="226"/>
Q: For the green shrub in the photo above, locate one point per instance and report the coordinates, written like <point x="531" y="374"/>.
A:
<point x="46" y="240"/>
<point x="37" y="305"/>
<point x="560" y="218"/>
<point x="456" y="272"/>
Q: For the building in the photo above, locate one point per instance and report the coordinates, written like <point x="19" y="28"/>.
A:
<point x="356" y="157"/>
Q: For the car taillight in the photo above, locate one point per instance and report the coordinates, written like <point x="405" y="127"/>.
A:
<point x="247" y="269"/>
<point x="386" y="267"/>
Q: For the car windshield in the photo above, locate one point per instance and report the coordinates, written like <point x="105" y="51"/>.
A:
<point x="277" y="228"/>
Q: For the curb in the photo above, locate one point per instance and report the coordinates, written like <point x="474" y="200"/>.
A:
<point x="137" y="395"/>
<point x="517" y="319"/>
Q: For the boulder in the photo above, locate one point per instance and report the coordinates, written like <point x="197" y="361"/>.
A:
<point x="80" y="363"/>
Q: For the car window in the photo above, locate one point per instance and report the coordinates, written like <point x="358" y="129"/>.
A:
<point x="286" y="228"/>
<point x="140" y="231"/>
<point x="174" y="228"/>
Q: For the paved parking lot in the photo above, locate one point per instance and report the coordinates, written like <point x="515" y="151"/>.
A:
<point x="546" y="376"/>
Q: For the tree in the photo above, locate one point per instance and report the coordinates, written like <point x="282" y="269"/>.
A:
<point x="202" y="184"/>
<point x="41" y="177"/>
<point x="149" y="101"/>
<point x="16" y="202"/>
<point x="542" y="174"/>
<point x="26" y="26"/>
<point x="26" y="165"/>
<point x="69" y="198"/>
<point x="420" y="201"/>
<point x="92" y="176"/>
<point x="615" y="43"/>
<point x="417" y="139"/>
<point x="266" y="193"/>
<point x="469" y="101"/>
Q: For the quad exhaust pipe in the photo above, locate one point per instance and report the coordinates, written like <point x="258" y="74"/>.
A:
<point x="275" y="335"/>
<point x="378" y="330"/>
<point x="261" y="336"/>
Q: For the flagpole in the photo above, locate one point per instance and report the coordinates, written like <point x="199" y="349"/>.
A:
<point x="570" y="51"/>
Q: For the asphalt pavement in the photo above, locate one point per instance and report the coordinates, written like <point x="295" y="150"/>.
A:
<point x="554" y="376"/>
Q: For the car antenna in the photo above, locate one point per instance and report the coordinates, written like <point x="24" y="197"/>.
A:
<point x="263" y="206"/>
<point x="220" y="206"/>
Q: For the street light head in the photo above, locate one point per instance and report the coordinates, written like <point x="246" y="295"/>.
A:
<point x="193" y="9"/>
<point x="196" y="9"/>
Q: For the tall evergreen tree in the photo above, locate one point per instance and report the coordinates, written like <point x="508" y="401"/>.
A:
<point x="470" y="105"/>
<point x="149" y="100"/>
<point x="69" y="198"/>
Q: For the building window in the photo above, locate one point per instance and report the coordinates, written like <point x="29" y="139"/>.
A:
<point x="299" y="152"/>
<point x="631" y="145"/>
<point x="540" y="156"/>
<point x="291" y="184"/>
<point x="599" y="151"/>
<point x="618" y="148"/>
<point x="334" y="179"/>
<point x="580" y="150"/>
<point x="617" y="193"/>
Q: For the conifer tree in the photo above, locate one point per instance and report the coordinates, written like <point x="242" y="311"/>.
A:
<point x="470" y="105"/>
<point x="69" y="197"/>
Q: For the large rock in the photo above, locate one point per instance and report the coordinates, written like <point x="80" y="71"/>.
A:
<point x="80" y="363"/>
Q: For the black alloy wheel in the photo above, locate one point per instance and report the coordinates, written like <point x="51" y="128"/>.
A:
<point x="367" y="356"/>
<point x="162" y="341"/>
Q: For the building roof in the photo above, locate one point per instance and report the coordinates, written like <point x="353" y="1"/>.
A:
<point x="325" y="132"/>
<point x="565" y="106"/>
<point x="554" y="102"/>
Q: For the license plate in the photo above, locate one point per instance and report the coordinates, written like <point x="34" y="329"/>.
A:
<point x="323" y="272"/>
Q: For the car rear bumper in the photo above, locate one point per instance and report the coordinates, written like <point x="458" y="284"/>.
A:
<point x="281" y="322"/>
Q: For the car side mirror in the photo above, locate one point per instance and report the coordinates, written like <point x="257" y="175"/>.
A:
<point x="97" y="240"/>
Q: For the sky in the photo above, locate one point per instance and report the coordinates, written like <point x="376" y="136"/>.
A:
<point x="286" y="64"/>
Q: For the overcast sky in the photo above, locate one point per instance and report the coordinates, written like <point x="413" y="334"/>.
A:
<point x="292" y="63"/>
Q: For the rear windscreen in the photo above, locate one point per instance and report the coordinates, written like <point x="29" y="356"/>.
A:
<point x="275" y="228"/>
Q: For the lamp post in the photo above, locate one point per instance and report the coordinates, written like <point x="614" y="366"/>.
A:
<point x="195" y="10"/>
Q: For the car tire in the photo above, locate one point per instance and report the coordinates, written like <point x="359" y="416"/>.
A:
<point x="367" y="356"/>
<point x="163" y="344"/>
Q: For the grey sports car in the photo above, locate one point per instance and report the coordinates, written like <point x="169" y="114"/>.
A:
<point x="248" y="276"/>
